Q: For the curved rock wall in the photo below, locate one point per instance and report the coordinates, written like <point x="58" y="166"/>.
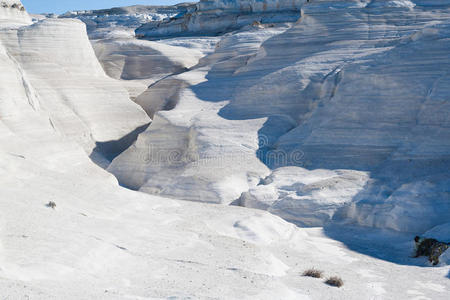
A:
<point x="217" y="17"/>
<point x="57" y="85"/>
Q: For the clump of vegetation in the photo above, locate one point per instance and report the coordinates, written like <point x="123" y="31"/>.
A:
<point x="313" y="273"/>
<point x="51" y="204"/>
<point x="335" y="281"/>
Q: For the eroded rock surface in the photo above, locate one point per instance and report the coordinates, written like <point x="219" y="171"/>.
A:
<point x="354" y="85"/>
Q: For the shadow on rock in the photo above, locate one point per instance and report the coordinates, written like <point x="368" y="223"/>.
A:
<point x="105" y="152"/>
<point x="389" y="245"/>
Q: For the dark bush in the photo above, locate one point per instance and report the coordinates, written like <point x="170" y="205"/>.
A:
<point x="313" y="273"/>
<point x="335" y="281"/>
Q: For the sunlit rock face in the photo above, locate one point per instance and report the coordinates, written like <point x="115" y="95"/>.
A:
<point x="217" y="17"/>
<point x="353" y="85"/>
<point x="121" y="22"/>
<point x="53" y="85"/>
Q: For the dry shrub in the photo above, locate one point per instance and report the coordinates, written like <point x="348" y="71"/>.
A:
<point x="51" y="204"/>
<point x="335" y="281"/>
<point x="313" y="273"/>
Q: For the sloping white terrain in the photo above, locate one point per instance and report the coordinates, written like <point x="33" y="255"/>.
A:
<point x="271" y="118"/>
<point x="104" y="242"/>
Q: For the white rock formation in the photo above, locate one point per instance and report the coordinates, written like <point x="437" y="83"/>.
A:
<point x="305" y="197"/>
<point x="357" y="85"/>
<point x="209" y="17"/>
<point x="191" y="152"/>
<point x="53" y="83"/>
<point x="103" y="241"/>
<point x="121" y="22"/>
<point x="100" y="236"/>
<point x="139" y="63"/>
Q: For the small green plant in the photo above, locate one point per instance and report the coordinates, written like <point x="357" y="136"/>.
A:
<point x="313" y="273"/>
<point x="335" y="281"/>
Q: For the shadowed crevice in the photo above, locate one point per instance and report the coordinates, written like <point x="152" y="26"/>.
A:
<point x="105" y="152"/>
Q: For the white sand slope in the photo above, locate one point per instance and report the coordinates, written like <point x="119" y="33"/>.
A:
<point x="102" y="241"/>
